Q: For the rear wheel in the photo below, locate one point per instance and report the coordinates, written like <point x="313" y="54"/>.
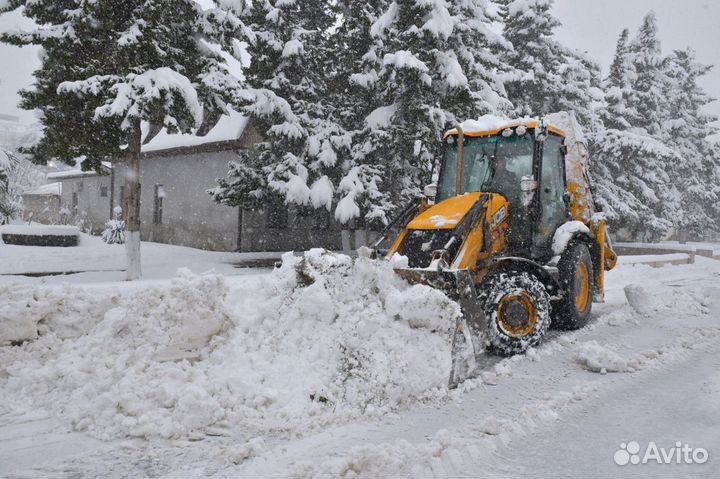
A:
<point x="517" y="308"/>
<point x="576" y="275"/>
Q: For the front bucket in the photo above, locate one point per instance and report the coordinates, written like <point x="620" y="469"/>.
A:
<point x="468" y="341"/>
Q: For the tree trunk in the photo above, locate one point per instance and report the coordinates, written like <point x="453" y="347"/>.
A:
<point x="132" y="203"/>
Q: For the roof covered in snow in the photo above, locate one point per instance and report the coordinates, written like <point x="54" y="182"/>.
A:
<point x="77" y="172"/>
<point x="68" y="174"/>
<point x="229" y="127"/>
<point x="51" y="189"/>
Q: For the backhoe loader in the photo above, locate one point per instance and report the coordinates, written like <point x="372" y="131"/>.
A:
<point x="510" y="232"/>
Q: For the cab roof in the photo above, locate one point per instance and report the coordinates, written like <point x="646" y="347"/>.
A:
<point x="490" y="125"/>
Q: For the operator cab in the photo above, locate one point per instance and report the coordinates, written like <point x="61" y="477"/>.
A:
<point x="523" y="165"/>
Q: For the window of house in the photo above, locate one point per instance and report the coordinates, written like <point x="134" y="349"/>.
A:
<point x="80" y="186"/>
<point x="277" y="214"/>
<point x="158" y="204"/>
<point x="122" y="196"/>
<point x="75" y="200"/>
<point x="103" y="191"/>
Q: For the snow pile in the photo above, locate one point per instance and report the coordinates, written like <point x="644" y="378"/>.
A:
<point x="321" y="340"/>
<point x="107" y="380"/>
<point x="64" y="312"/>
<point x="639" y="299"/>
<point x="599" y="359"/>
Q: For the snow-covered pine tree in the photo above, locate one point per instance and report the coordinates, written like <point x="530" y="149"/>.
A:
<point x="632" y="164"/>
<point x="631" y="183"/>
<point x="110" y="65"/>
<point x="687" y="131"/>
<point x="617" y="86"/>
<point x="649" y="78"/>
<point x="548" y="76"/>
<point x="288" y="102"/>
<point x="537" y="57"/>
<point x="481" y="55"/>
<point x="431" y="65"/>
<point x="714" y="179"/>
<point x="363" y="191"/>
<point x="581" y="89"/>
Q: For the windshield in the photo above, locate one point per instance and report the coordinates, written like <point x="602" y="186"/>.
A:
<point x="490" y="164"/>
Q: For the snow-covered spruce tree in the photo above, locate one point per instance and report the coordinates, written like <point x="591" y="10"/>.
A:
<point x="618" y="86"/>
<point x="631" y="183"/>
<point x="536" y="57"/>
<point x="429" y="65"/>
<point x="632" y="165"/>
<point x="581" y="89"/>
<point x="548" y="76"/>
<point x="687" y="131"/>
<point x="287" y="101"/>
<point x="646" y="99"/>
<point x="363" y="191"/>
<point x="110" y="65"/>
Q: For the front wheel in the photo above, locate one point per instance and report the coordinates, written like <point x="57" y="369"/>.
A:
<point x="575" y="271"/>
<point x="517" y="308"/>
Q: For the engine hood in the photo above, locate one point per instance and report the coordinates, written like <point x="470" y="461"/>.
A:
<point x="446" y="215"/>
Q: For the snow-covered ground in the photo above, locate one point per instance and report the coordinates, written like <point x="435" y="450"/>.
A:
<point x="340" y="371"/>
<point x="94" y="262"/>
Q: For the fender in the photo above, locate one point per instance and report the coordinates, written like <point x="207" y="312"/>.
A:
<point x="514" y="263"/>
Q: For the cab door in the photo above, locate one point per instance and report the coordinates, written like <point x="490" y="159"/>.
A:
<point x="553" y="210"/>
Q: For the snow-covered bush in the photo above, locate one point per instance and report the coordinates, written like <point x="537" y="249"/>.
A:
<point x="114" y="232"/>
<point x="115" y="229"/>
<point x="9" y="202"/>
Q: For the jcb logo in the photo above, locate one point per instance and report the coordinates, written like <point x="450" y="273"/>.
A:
<point x="498" y="217"/>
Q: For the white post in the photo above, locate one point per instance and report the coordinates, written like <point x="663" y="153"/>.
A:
<point x="132" y="204"/>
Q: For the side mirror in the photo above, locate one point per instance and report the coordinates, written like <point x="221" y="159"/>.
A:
<point x="528" y="183"/>
<point x="566" y="198"/>
<point x="430" y="190"/>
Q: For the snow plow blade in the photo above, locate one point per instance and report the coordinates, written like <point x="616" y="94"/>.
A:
<point x="468" y="337"/>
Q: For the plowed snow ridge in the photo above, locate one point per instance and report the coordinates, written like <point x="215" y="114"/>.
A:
<point x="322" y="340"/>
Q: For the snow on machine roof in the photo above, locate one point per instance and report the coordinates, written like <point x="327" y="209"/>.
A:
<point x="489" y="125"/>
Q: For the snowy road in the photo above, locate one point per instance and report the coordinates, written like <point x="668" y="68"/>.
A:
<point x="550" y="413"/>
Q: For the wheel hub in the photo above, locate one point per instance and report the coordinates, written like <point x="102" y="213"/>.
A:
<point x="582" y="287"/>
<point x="517" y="315"/>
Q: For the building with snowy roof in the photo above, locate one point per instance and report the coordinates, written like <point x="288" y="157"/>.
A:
<point x="176" y="172"/>
<point x="85" y="197"/>
<point x="42" y="204"/>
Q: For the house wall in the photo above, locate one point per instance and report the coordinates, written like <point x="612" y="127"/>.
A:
<point x="189" y="215"/>
<point x="43" y="209"/>
<point x="302" y="231"/>
<point x="93" y="209"/>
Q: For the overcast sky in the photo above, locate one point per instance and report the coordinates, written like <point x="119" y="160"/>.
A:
<point x="589" y="25"/>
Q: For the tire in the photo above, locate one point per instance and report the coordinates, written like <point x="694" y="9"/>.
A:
<point x="517" y="308"/>
<point x="576" y="273"/>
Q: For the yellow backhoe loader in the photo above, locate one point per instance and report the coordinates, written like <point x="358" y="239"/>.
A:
<point x="510" y="232"/>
